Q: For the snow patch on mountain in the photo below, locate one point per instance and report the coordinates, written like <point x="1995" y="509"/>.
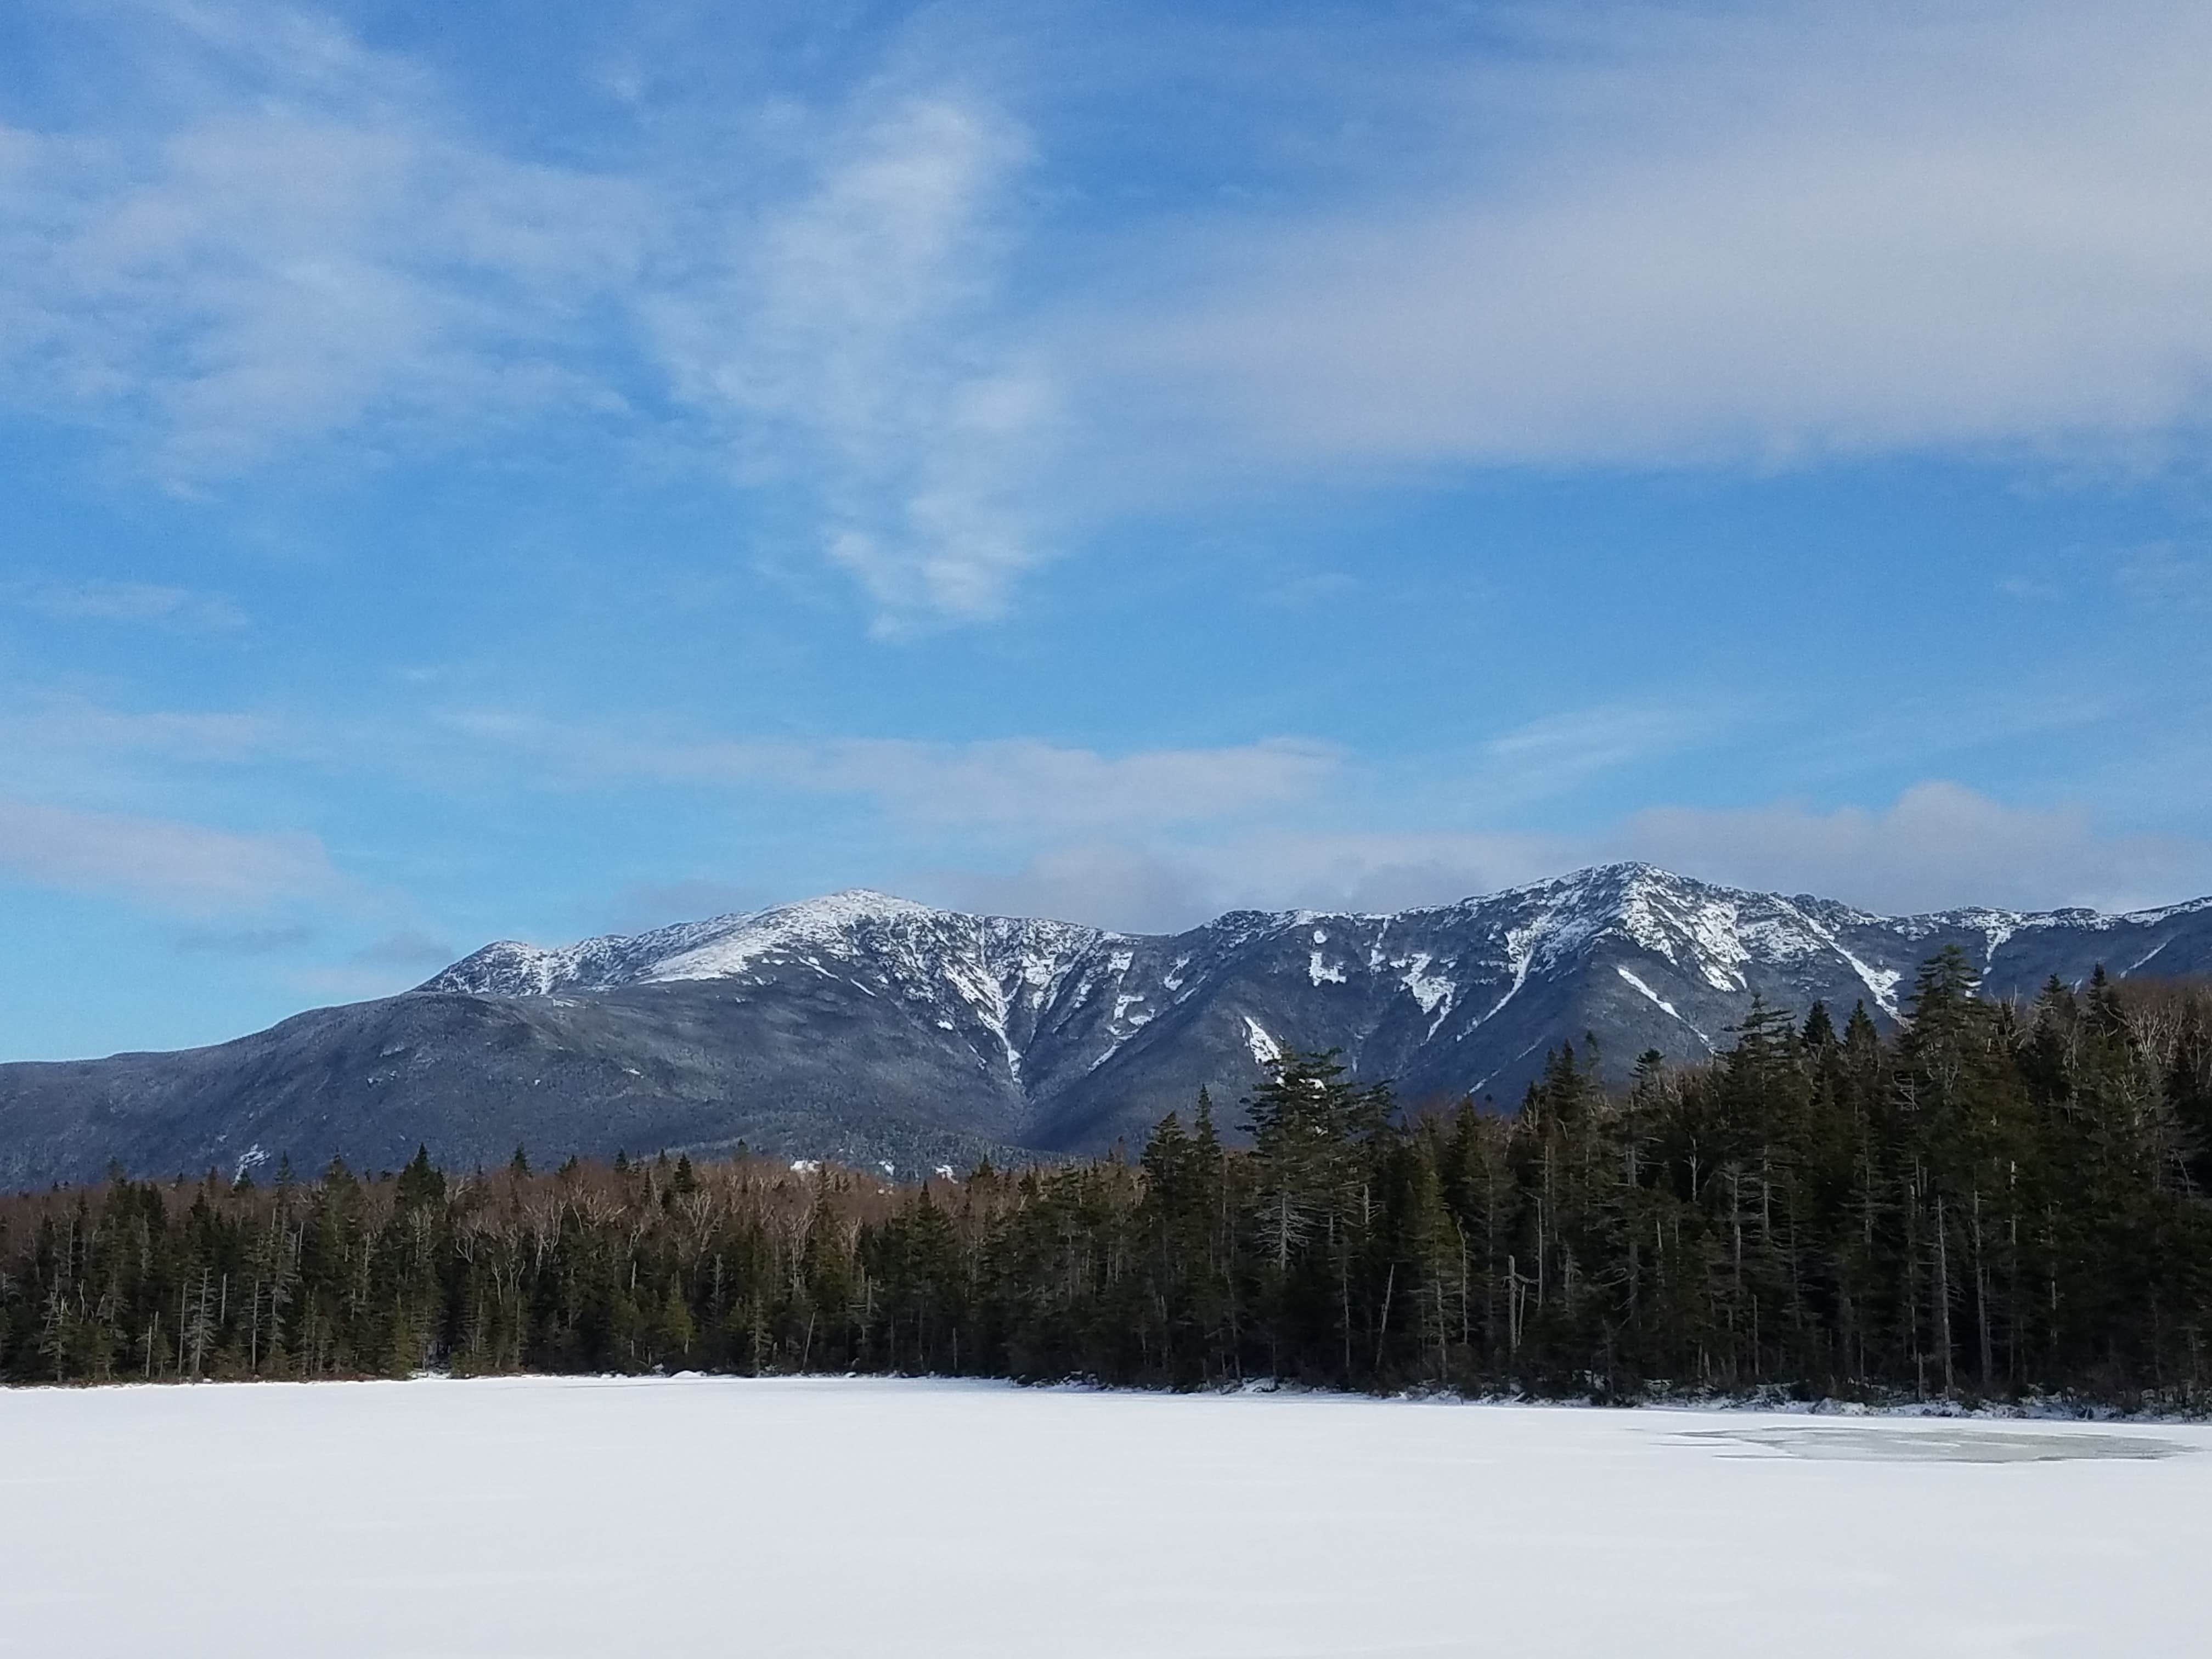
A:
<point x="1882" y="983"/>
<point x="1040" y="1004"/>
<point x="2144" y="960"/>
<point x="1665" y="1007"/>
<point x="1521" y="947"/>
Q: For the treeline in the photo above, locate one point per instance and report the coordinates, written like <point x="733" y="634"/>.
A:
<point x="1999" y="1199"/>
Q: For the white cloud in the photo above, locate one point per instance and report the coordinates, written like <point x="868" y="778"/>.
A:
<point x="186" y="867"/>
<point x="67" y="732"/>
<point x="1726" y="235"/>
<point x="1164" y="889"/>
<point x="1311" y="590"/>
<point x="285" y="237"/>
<point x="1621" y="235"/>
<point x="1014" y="784"/>
<point x="645" y="905"/>
<point x="847" y="333"/>
<point x="351" y="982"/>
<point x="272" y="940"/>
<point x="409" y="948"/>
<point x="1938" y="846"/>
<point x="2167" y="576"/>
<point x="1024" y="784"/>
<point x="1382" y="871"/>
<point x="1555" y="752"/>
<point x="1164" y="838"/>
<point x="291" y="243"/>
<point x="1131" y="889"/>
<point x="126" y="602"/>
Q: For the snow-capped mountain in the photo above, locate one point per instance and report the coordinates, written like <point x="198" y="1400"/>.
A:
<point x="863" y="1026"/>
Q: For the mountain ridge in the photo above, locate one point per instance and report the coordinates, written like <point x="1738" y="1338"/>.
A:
<point x="870" y="1027"/>
<point x="872" y="903"/>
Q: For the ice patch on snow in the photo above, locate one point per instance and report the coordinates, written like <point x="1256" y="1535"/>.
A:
<point x="1872" y="1443"/>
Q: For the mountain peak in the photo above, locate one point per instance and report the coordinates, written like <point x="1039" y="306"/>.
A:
<point x="852" y="904"/>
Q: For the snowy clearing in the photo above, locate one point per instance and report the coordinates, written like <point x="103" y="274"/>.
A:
<point x="833" y="1517"/>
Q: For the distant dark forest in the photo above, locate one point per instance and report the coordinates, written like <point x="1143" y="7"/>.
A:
<point x="2002" y="1200"/>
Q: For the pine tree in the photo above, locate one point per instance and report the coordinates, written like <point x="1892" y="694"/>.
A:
<point x="1992" y="1200"/>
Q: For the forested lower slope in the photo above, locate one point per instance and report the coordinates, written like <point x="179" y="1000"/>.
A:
<point x="1997" y="1199"/>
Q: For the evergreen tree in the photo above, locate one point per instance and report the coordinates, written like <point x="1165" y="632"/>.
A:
<point x="1989" y="1201"/>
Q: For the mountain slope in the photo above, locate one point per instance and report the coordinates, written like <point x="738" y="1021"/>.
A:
<point x="868" y="1028"/>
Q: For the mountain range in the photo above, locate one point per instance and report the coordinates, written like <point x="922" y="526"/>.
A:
<point x="871" y="1029"/>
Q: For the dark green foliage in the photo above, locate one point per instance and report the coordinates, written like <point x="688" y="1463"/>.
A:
<point x="2005" y="1199"/>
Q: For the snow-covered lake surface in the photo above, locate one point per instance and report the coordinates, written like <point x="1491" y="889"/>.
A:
<point x="694" y="1517"/>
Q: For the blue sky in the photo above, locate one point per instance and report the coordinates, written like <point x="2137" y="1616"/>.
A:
<point x="529" y="470"/>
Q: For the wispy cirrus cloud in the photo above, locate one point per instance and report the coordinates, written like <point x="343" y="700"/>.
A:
<point x="1720" y="236"/>
<point x="1011" y="784"/>
<point x="288" y="235"/>
<point x="1556" y="753"/>
<point x="293" y="237"/>
<point x="48" y="740"/>
<point x="1621" y="235"/>
<point x="849" y="334"/>
<point x="409" y="948"/>
<point x="653" y="905"/>
<point x="383" y="967"/>
<point x="1023" y="783"/>
<point x="2167" y="574"/>
<point x="1164" y="887"/>
<point x="1937" y="845"/>
<point x="244" y="941"/>
<point x="149" y="603"/>
<point x="185" y="867"/>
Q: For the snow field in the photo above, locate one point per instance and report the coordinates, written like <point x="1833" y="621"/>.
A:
<point x="550" y="1518"/>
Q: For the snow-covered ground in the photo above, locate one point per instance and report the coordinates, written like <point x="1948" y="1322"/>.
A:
<point x="693" y="1517"/>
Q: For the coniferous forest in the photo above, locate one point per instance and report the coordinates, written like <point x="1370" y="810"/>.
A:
<point x="1999" y="1200"/>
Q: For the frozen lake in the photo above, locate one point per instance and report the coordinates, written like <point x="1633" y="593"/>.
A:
<point x="825" y="1516"/>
